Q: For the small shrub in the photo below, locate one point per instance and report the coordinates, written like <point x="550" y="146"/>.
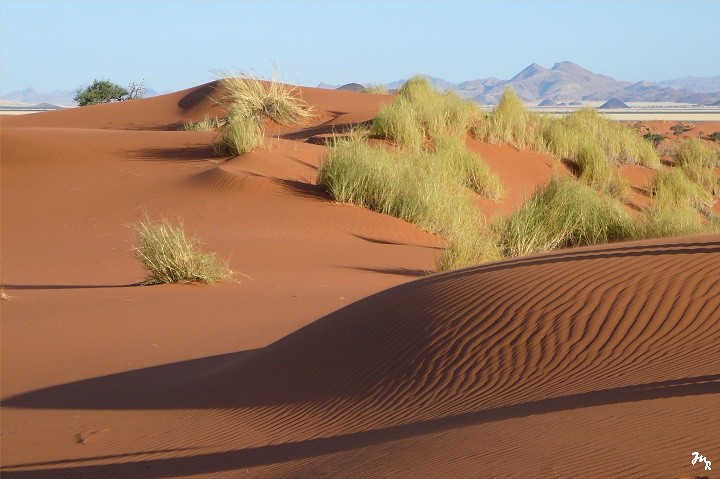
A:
<point x="654" y="138"/>
<point x="208" y="123"/>
<point x="565" y="213"/>
<point x="715" y="136"/>
<point x="240" y="135"/>
<point x="679" y="129"/>
<point x="248" y="97"/>
<point x="4" y="296"/>
<point x="172" y="257"/>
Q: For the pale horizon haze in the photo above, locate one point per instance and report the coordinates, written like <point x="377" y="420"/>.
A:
<point x="172" y="45"/>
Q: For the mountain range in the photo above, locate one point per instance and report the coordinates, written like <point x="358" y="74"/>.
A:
<point x="568" y="82"/>
<point x="564" y="83"/>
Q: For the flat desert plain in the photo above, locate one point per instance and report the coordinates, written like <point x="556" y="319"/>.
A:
<point x="334" y="353"/>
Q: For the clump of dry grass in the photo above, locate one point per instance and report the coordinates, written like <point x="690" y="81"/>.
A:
<point x="4" y="296"/>
<point x="247" y="96"/>
<point x="208" y="123"/>
<point x="172" y="257"/>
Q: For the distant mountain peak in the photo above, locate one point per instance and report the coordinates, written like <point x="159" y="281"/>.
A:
<point x="530" y="71"/>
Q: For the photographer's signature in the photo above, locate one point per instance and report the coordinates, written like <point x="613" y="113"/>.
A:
<point x="697" y="457"/>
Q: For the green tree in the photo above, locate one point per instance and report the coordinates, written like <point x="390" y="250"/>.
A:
<point x="105" y="91"/>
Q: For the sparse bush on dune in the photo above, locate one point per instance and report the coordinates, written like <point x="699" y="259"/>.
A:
<point x="172" y="257"/>
<point x="473" y="247"/>
<point x="241" y="135"/>
<point x="247" y="96"/>
<point x="564" y="213"/>
<point x="4" y="296"/>
<point x="208" y="123"/>
<point x="509" y="122"/>
<point x="420" y="114"/>
<point x="249" y="102"/>
<point x="698" y="161"/>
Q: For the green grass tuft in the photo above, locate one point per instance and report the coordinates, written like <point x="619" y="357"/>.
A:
<point x="664" y="220"/>
<point x="563" y="214"/>
<point x="172" y="257"/>
<point x="420" y="114"/>
<point x="240" y="135"/>
<point x="698" y="161"/>
<point x="672" y="188"/>
<point x="452" y="156"/>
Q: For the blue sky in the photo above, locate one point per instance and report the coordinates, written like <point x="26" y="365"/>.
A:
<point x="173" y="45"/>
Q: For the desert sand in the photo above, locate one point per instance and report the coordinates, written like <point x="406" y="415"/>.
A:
<point x="334" y="353"/>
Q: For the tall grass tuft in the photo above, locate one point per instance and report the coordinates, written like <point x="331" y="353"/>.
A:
<point x="172" y="257"/>
<point x="672" y="188"/>
<point x="247" y="96"/>
<point x="241" y="135"/>
<point x="420" y="113"/>
<point x="698" y="160"/>
<point x="509" y="122"/>
<point x="395" y="183"/>
<point x="664" y="220"/>
<point x="565" y="213"/>
<point x="453" y="157"/>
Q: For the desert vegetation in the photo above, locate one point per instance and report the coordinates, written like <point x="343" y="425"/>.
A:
<point x="248" y="103"/>
<point x="424" y="173"/>
<point x="105" y="91"/>
<point x="376" y="89"/>
<point x="170" y="256"/>
<point x="4" y="296"/>
<point x="208" y="123"/>
<point x="593" y="143"/>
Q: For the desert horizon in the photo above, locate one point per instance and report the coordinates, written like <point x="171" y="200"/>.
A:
<point x="351" y="342"/>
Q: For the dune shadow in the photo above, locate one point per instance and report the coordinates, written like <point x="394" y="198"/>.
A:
<point x="416" y="273"/>
<point x="185" y="153"/>
<point x="306" y="449"/>
<point x="303" y="190"/>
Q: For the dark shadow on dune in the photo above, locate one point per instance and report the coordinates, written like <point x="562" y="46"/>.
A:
<point x="70" y="286"/>
<point x="304" y="190"/>
<point x="194" y="153"/>
<point x="198" y="95"/>
<point x="324" y="129"/>
<point x="272" y="454"/>
<point x="416" y="273"/>
<point x="139" y="389"/>
<point x="396" y="243"/>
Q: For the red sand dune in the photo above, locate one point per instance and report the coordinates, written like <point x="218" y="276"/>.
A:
<point x="594" y="362"/>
